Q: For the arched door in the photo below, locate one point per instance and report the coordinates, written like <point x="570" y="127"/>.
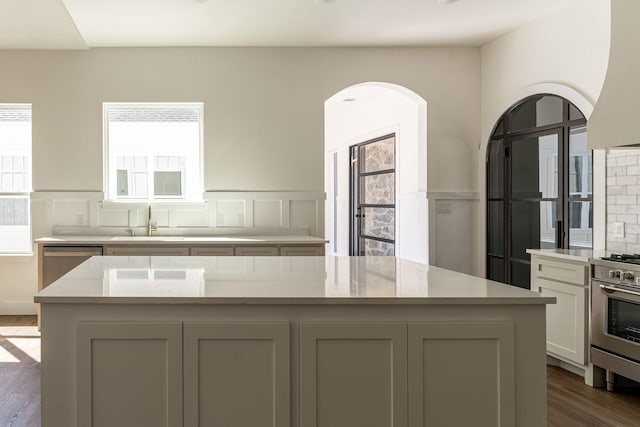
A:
<point x="539" y="185"/>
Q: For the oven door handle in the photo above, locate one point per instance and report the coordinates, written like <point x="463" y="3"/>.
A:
<point x="611" y="289"/>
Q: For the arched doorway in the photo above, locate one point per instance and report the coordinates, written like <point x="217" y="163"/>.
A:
<point x="366" y="113"/>
<point x="539" y="185"/>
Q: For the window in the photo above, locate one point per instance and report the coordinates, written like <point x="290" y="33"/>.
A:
<point x="15" y="178"/>
<point x="153" y="151"/>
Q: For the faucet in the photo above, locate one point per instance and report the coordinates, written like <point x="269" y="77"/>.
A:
<point x="151" y="226"/>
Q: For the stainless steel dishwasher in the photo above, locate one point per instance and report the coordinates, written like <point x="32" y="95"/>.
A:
<point x="59" y="260"/>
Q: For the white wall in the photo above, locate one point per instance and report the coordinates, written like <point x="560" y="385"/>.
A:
<point x="263" y="109"/>
<point x="565" y="53"/>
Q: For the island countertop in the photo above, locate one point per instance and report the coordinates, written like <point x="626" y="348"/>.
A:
<point x="275" y="280"/>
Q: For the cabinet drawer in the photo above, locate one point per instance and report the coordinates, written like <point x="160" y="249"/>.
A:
<point x="146" y="251"/>
<point x="257" y="250"/>
<point x="212" y="251"/>
<point x="566" y="271"/>
<point x="302" y="250"/>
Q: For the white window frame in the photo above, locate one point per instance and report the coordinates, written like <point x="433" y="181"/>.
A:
<point x="193" y="174"/>
<point x="25" y="193"/>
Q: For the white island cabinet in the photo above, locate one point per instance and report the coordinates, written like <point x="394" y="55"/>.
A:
<point x="289" y="341"/>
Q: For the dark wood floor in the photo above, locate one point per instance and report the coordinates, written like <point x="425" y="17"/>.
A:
<point x="570" y="401"/>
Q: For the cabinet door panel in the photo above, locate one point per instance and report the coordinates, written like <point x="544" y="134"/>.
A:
<point x="257" y="251"/>
<point x="129" y="374"/>
<point x="236" y="374"/>
<point x="302" y="250"/>
<point x="566" y="320"/>
<point x="463" y="374"/>
<point x="212" y="251"/>
<point x="562" y="271"/>
<point x="353" y="374"/>
<point x="146" y="251"/>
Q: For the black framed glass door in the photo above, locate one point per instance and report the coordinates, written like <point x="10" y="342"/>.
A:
<point x="539" y="185"/>
<point x="372" y="197"/>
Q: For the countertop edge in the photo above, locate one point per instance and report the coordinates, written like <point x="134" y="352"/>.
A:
<point x="567" y="254"/>
<point x="533" y="300"/>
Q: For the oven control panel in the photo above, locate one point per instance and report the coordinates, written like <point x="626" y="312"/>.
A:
<point x="616" y="275"/>
<point x="622" y="275"/>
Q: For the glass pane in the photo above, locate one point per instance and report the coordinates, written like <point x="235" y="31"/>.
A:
<point x="534" y="167"/>
<point x="371" y="247"/>
<point x="379" y="155"/>
<point x="496" y="269"/>
<point x="14" y="211"/>
<point x="379" y="222"/>
<point x="532" y="227"/>
<point x="623" y="320"/>
<point x="167" y="183"/>
<point x="580" y="163"/>
<point x="574" y="113"/>
<point x="495" y="167"/>
<point x="521" y="275"/>
<point x="496" y="228"/>
<point x="378" y="189"/>
<point x="581" y="221"/>
<point x="536" y="112"/>
<point x="139" y="184"/>
<point x="123" y="182"/>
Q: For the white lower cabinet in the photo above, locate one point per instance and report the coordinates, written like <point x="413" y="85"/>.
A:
<point x="462" y="374"/>
<point x="129" y="374"/>
<point x="407" y="374"/>
<point x="256" y="251"/>
<point x="233" y="374"/>
<point x="146" y="250"/>
<point x="568" y="319"/>
<point x="353" y="374"/>
<point x="236" y="374"/>
<point x="211" y="251"/>
<point x="301" y="250"/>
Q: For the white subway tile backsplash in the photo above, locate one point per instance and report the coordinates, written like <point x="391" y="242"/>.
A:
<point x="615" y="190"/>
<point x="626" y="199"/>
<point x="627" y="161"/>
<point x="623" y="191"/>
<point x="623" y="180"/>
<point x="618" y="209"/>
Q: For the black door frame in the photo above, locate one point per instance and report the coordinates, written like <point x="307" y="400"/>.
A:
<point x="356" y="203"/>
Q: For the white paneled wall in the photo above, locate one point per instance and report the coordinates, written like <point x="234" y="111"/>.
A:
<point x="452" y="234"/>
<point x="285" y="212"/>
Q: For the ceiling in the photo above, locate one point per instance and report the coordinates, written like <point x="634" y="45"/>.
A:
<point x="82" y="24"/>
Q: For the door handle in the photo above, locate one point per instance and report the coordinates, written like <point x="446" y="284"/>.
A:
<point x="559" y="234"/>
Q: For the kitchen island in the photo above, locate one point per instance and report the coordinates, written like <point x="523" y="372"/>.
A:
<point x="288" y="341"/>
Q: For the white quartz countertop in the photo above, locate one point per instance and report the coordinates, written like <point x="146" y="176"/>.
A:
<point x="275" y="280"/>
<point x="186" y="240"/>
<point x="580" y="255"/>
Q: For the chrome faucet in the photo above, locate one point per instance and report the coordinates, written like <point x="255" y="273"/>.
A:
<point x="151" y="226"/>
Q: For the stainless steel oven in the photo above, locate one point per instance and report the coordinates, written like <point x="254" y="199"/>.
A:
<point x="615" y="317"/>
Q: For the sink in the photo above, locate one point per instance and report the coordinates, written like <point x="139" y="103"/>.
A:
<point x="147" y="238"/>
